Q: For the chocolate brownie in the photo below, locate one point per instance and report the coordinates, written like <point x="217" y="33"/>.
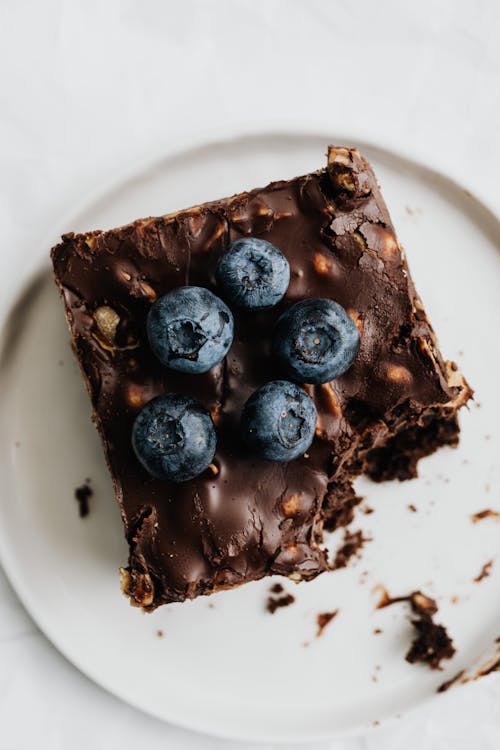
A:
<point x="245" y="517"/>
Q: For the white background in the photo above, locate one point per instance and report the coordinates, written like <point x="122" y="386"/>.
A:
<point x="89" y="88"/>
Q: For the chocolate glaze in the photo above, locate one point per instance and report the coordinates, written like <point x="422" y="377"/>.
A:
<point x="245" y="517"/>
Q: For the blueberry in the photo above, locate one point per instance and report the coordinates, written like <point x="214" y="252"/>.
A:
<point x="190" y="329"/>
<point x="279" y="421"/>
<point x="174" y="438"/>
<point x="253" y="274"/>
<point x="315" y="341"/>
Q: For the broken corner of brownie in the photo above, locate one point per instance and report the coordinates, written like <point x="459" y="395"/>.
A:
<point x="242" y="517"/>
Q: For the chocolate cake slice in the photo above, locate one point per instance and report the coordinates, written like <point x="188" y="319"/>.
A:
<point x="244" y="517"/>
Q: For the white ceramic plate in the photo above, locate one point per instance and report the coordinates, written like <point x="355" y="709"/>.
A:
<point x="225" y="666"/>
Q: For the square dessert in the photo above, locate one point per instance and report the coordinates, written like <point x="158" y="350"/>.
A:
<point x="245" y="516"/>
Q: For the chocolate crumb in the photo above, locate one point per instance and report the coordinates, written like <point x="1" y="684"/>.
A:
<point x="160" y="633"/>
<point x="494" y="666"/>
<point x="274" y="603"/>
<point x="432" y="644"/>
<point x="276" y="588"/>
<point x="353" y="543"/>
<point x="412" y="507"/>
<point x="377" y="631"/>
<point x="82" y="496"/>
<point x="484" y="572"/>
<point x="487" y="513"/>
<point x="447" y="685"/>
<point x="367" y="510"/>
<point x="323" y="619"/>
<point x="497" y="640"/>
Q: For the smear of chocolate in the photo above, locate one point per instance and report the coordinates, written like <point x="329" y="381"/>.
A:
<point x="493" y="667"/>
<point x="484" y="572"/>
<point x="324" y="619"/>
<point x="449" y="683"/>
<point x="487" y="513"/>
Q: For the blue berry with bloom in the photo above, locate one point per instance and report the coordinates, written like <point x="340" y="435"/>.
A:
<point x="279" y="421"/>
<point x="315" y="341"/>
<point x="174" y="438"/>
<point x="190" y="329"/>
<point x="253" y="274"/>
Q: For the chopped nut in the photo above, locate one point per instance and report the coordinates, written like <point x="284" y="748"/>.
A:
<point x="399" y="374"/>
<point x="90" y="242"/>
<point x="107" y="321"/>
<point x="219" y="231"/>
<point x="423" y="603"/>
<point x="389" y="246"/>
<point x="357" y="320"/>
<point x="345" y="181"/>
<point x="379" y="239"/>
<point x="137" y="586"/>
<point x="216" y="413"/>
<point x="356" y="235"/>
<point x="214" y="469"/>
<point x="331" y="398"/>
<point x="295" y="576"/>
<point x="136" y="396"/>
<point x="427" y="348"/>
<point x="321" y="264"/>
<point x="145" y="290"/>
<point x="124" y="580"/>
<point x="339" y="156"/>
<point x="291" y="505"/>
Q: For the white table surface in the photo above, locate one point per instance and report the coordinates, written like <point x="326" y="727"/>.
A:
<point x="89" y="88"/>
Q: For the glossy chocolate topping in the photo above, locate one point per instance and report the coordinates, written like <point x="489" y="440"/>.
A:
<point x="245" y="517"/>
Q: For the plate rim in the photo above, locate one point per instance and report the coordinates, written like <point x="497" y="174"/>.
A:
<point x="33" y="270"/>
